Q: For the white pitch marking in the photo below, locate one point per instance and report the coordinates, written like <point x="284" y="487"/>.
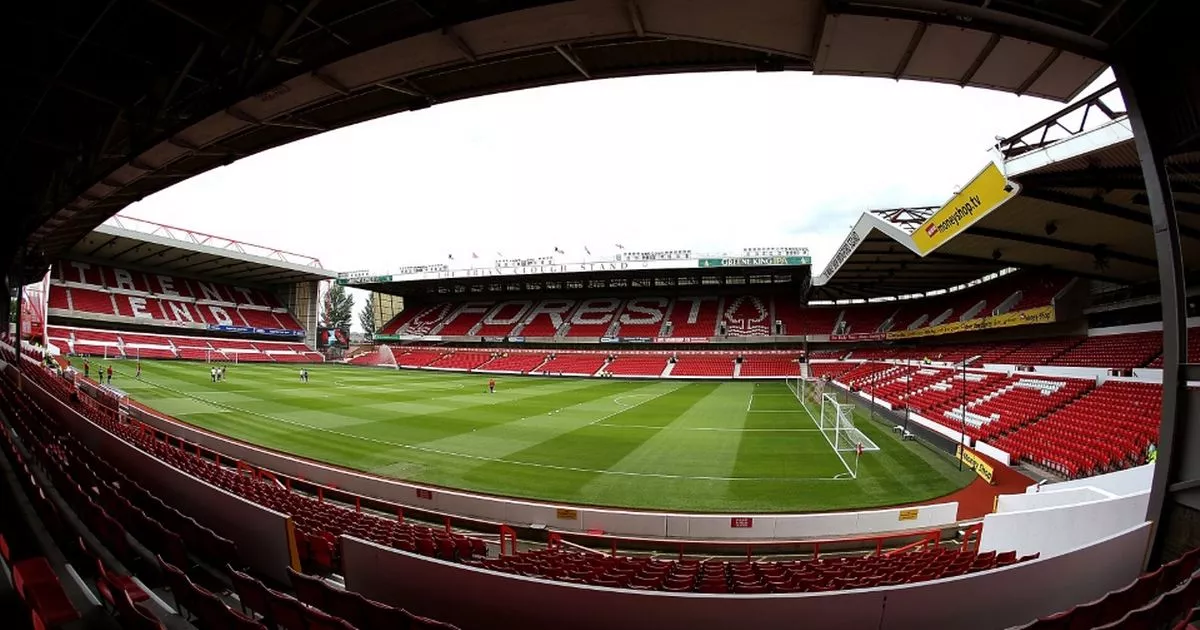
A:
<point x="426" y="449"/>
<point x="728" y="429"/>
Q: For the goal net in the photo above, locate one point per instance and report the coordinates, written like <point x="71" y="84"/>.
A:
<point x="834" y="419"/>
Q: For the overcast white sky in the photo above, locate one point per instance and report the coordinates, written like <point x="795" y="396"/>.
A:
<point x="711" y="162"/>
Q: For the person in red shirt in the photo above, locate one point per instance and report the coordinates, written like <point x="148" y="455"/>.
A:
<point x="491" y="386"/>
<point x="110" y="375"/>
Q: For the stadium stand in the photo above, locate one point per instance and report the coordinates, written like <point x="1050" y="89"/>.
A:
<point x="461" y="360"/>
<point x="117" y="510"/>
<point x="520" y="363"/>
<point x="1067" y="425"/>
<point x="705" y="365"/>
<point x="573" y="364"/>
<point x="1113" y="351"/>
<point x="638" y="365"/>
<point x="768" y="365"/>
<point x="416" y="358"/>
<point x="88" y="290"/>
<point x="642" y="317"/>
<point x="1108" y="428"/>
<point x="100" y="343"/>
<point x="750" y="578"/>
<point x="1164" y="598"/>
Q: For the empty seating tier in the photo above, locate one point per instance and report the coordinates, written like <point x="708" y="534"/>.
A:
<point x="88" y="342"/>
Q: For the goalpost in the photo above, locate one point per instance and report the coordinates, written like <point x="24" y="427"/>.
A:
<point x="834" y="419"/>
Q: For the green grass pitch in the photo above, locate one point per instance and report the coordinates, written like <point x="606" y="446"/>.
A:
<point x="707" y="446"/>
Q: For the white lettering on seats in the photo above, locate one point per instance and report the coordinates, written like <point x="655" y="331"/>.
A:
<point x="210" y="291"/>
<point x="221" y="315"/>
<point x="167" y="284"/>
<point x="697" y="304"/>
<point x="556" y="310"/>
<point x="138" y="306"/>
<point x="596" y="311"/>
<point x="494" y="317"/>
<point x="124" y="279"/>
<point x="651" y="310"/>
<point x="82" y="268"/>
<point x="179" y="311"/>
<point x="247" y="294"/>
<point x="467" y="308"/>
<point x="747" y="316"/>
<point x="427" y="319"/>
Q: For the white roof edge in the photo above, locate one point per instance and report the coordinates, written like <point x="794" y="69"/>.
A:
<point x="862" y="229"/>
<point x="1109" y="134"/>
<point x="112" y="230"/>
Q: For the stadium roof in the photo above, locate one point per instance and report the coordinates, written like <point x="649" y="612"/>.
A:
<point x="664" y="269"/>
<point x="128" y="242"/>
<point x="113" y="101"/>
<point x="1079" y="206"/>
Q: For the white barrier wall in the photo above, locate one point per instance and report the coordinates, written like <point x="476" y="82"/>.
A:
<point x="262" y="535"/>
<point x="634" y="524"/>
<point x="993" y="452"/>
<point x="1120" y="483"/>
<point x="1052" y="531"/>
<point x="1050" y="498"/>
<point x="476" y="598"/>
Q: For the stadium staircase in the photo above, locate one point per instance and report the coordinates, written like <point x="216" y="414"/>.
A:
<point x="667" y="371"/>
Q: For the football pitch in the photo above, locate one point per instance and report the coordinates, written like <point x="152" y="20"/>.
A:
<point x="667" y="445"/>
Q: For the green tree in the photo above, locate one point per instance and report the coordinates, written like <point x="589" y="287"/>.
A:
<point x="366" y="317"/>
<point x="337" y="309"/>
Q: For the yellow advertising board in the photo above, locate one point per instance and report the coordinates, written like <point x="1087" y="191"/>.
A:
<point x="909" y="515"/>
<point x="974" y="462"/>
<point x="564" y="514"/>
<point x="1039" y="315"/>
<point x="988" y="191"/>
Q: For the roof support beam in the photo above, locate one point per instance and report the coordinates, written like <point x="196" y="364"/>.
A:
<point x="1126" y="178"/>
<point x="179" y="77"/>
<point x="460" y="44"/>
<point x="37" y="106"/>
<point x="186" y="18"/>
<point x="102" y="246"/>
<point x="1184" y="207"/>
<point x="915" y="41"/>
<point x="635" y="17"/>
<point x="1098" y="249"/>
<point x="1037" y="74"/>
<point x="286" y="35"/>
<point x="994" y="265"/>
<point x="572" y="59"/>
<point x="991" y="44"/>
<point x="980" y="17"/>
<point x="1100" y="206"/>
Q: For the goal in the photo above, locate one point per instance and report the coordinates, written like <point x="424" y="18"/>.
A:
<point x="834" y="419"/>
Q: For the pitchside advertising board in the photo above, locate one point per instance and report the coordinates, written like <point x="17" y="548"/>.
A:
<point x="248" y="330"/>
<point x="1039" y="315"/>
<point x="756" y="261"/>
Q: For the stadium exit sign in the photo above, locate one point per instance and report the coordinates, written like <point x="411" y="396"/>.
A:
<point x="740" y="522"/>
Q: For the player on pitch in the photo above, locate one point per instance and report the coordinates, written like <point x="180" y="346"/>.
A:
<point x="491" y="386"/>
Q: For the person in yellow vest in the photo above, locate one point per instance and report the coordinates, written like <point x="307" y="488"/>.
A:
<point x="1151" y="453"/>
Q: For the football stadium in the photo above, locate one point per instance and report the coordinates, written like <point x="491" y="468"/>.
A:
<point x="972" y="414"/>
